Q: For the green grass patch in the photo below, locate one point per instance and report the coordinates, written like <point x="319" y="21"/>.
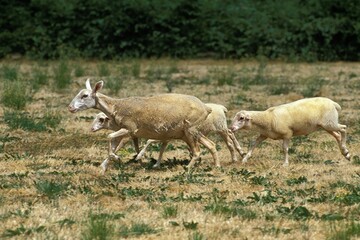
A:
<point x="169" y="211"/>
<point x="114" y="84"/>
<point x="103" y="70"/>
<point x="62" y="75"/>
<point x="51" y="189"/>
<point x="136" y="230"/>
<point x="10" y="73"/>
<point x="39" y="78"/>
<point x="22" y="120"/>
<point x="98" y="227"/>
<point x="344" y="231"/>
<point x="22" y="231"/>
<point x="15" y="95"/>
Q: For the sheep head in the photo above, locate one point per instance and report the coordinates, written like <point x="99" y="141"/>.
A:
<point x="241" y="120"/>
<point x="85" y="99"/>
<point x="101" y="121"/>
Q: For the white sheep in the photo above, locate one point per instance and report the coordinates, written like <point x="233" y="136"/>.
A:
<point x="215" y="122"/>
<point x="101" y="121"/>
<point x="162" y="117"/>
<point x="301" y="117"/>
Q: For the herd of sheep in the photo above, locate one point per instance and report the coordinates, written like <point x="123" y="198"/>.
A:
<point x="164" y="117"/>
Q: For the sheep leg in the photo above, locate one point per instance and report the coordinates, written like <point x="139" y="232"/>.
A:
<point x="212" y="148"/>
<point x="286" y="151"/>
<point x="229" y="143"/>
<point x="136" y="144"/>
<point x="115" y="143"/>
<point x="341" y="140"/>
<point x="258" y="140"/>
<point x="104" y="165"/>
<point x="142" y="152"/>
<point x="120" y="133"/>
<point x="235" y="142"/>
<point x="162" y="150"/>
<point x="194" y="149"/>
<point x="121" y="144"/>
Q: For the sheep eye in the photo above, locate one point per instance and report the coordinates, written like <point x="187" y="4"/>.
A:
<point x="84" y="96"/>
<point x="241" y="118"/>
<point x="101" y="120"/>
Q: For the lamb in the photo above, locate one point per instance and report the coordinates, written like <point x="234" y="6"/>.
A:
<point x="101" y="121"/>
<point x="297" y="118"/>
<point x="215" y="122"/>
<point x="162" y="117"/>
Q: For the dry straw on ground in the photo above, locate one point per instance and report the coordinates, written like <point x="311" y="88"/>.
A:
<point x="51" y="186"/>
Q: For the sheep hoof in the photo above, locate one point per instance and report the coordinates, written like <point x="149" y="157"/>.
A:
<point x="348" y="156"/>
<point x="114" y="157"/>
<point x="285" y="164"/>
<point x="103" y="168"/>
<point x="156" y="165"/>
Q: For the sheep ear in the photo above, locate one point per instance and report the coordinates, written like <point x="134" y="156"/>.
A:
<point x="87" y="84"/>
<point x="98" y="86"/>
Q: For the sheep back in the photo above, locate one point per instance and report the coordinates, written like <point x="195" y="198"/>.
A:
<point x="216" y="120"/>
<point x="161" y="116"/>
<point x="303" y="116"/>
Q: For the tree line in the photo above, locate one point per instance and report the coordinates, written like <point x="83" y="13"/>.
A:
<point x="325" y="30"/>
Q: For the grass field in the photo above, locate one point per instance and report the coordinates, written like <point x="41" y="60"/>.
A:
<point x="50" y="181"/>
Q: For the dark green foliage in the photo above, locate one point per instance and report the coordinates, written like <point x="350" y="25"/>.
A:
<point x="294" y="181"/>
<point x="297" y="213"/>
<point x="308" y="30"/>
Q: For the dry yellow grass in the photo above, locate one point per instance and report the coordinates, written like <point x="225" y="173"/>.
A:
<point x="51" y="186"/>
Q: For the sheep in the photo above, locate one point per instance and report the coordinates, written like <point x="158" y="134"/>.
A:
<point x="301" y="117"/>
<point x="162" y="117"/>
<point x="215" y="122"/>
<point x="101" y="121"/>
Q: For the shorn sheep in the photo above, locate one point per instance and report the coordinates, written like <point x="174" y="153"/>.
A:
<point x="215" y="122"/>
<point x="162" y="117"/>
<point x="301" y="117"/>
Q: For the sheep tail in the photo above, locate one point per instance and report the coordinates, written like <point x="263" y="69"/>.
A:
<point x="337" y="106"/>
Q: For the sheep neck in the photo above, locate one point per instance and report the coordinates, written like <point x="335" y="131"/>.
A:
<point x="105" y="104"/>
<point x="260" y="120"/>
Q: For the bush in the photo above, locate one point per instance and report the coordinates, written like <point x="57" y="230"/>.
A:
<point x="308" y="30"/>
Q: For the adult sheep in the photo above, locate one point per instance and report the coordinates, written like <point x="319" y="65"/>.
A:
<point x="215" y="123"/>
<point x="162" y="117"/>
<point x="301" y="117"/>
